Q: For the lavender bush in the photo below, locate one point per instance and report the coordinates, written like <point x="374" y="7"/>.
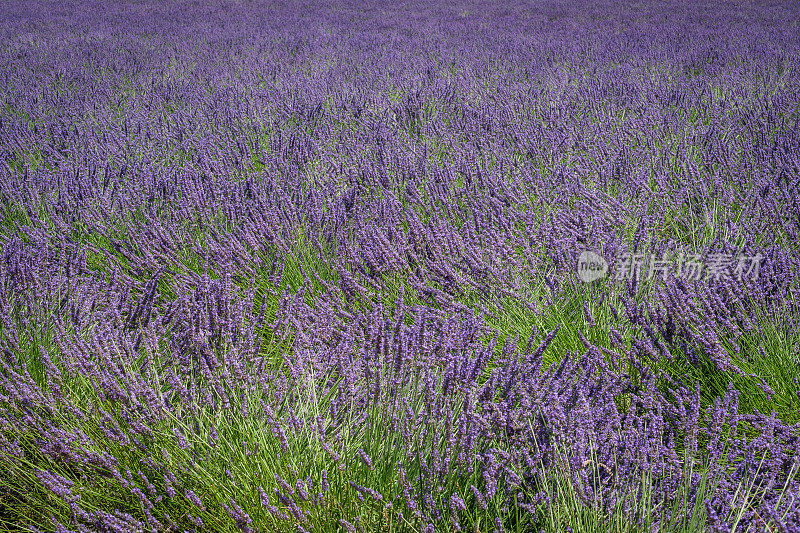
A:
<point x="272" y="266"/>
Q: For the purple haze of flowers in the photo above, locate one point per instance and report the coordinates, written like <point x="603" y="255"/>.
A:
<point x="228" y="213"/>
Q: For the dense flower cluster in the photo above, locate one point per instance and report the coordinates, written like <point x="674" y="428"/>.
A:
<point x="267" y="266"/>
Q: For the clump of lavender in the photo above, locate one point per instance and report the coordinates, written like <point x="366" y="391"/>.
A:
<point x="269" y="270"/>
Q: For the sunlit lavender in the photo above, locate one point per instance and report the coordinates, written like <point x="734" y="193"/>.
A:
<point x="402" y="266"/>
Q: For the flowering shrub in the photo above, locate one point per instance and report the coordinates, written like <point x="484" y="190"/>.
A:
<point x="272" y="267"/>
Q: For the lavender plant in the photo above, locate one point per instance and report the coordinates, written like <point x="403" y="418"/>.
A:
<point x="267" y="266"/>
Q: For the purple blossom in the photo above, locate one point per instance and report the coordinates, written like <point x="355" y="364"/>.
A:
<point x="336" y="224"/>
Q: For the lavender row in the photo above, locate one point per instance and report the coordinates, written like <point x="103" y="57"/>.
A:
<point x="269" y="267"/>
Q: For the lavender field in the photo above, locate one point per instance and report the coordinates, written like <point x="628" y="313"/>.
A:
<point x="409" y="266"/>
